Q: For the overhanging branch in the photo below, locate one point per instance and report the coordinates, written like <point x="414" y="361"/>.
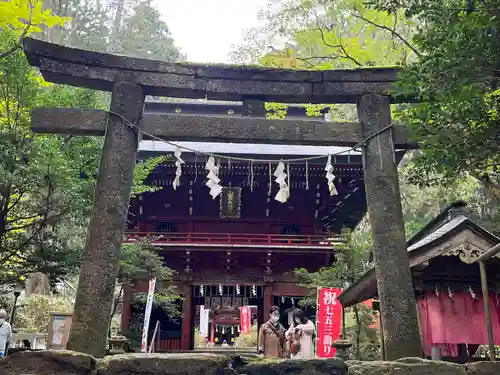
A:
<point x="386" y="28"/>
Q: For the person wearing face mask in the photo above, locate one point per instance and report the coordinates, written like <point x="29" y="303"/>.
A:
<point x="300" y="335"/>
<point x="5" y="333"/>
<point x="272" y="336"/>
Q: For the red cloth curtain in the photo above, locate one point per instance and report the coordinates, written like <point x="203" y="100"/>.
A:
<point x="446" y="322"/>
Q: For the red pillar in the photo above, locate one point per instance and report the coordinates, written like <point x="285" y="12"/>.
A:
<point x="268" y="301"/>
<point x="187" y="325"/>
<point x="126" y="308"/>
<point x="212" y="332"/>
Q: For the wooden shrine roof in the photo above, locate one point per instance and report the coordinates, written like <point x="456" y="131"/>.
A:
<point x="423" y="247"/>
<point x="72" y="66"/>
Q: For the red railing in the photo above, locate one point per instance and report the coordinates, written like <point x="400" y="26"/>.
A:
<point x="249" y="239"/>
<point x="168" y="345"/>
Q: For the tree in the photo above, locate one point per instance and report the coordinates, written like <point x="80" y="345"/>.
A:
<point x="46" y="181"/>
<point x="327" y="34"/>
<point x="126" y="27"/>
<point x="22" y="18"/>
<point x="35" y="311"/>
<point x="455" y="82"/>
<point x="140" y="260"/>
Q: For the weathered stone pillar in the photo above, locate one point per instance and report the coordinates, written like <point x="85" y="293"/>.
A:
<point x="394" y="282"/>
<point x="92" y="312"/>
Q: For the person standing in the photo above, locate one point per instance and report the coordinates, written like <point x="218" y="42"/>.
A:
<point x="300" y="336"/>
<point x="5" y="333"/>
<point x="271" y="341"/>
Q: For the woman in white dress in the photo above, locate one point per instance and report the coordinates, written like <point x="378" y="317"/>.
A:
<point x="300" y="336"/>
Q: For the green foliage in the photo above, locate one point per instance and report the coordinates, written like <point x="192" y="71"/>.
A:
<point x="125" y="27"/>
<point x="248" y="340"/>
<point x="352" y="260"/>
<point x="46" y="181"/>
<point x="455" y="80"/>
<point x="35" y="311"/>
<point x="139" y="261"/>
<point x="22" y="18"/>
<point x="40" y="182"/>
<point x="327" y="34"/>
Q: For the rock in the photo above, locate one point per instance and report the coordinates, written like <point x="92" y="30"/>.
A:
<point x="277" y="367"/>
<point x="47" y="362"/>
<point x="406" y="366"/>
<point x="70" y="363"/>
<point x="483" y="368"/>
<point x="164" y="364"/>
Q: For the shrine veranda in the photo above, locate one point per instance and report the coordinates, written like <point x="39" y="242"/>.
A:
<point x="195" y="238"/>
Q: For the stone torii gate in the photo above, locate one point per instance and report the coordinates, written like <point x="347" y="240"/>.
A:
<point x="131" y="79"/>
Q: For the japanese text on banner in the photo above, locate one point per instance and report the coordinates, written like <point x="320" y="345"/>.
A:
<point x="329" y="321"/>
<point x="246" y="319"/>
<point x="147" y="315"/>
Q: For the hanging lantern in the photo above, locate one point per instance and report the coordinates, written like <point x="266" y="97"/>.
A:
<point x="282" y="299"/>
<point x="202" y="291"/>
<point x="220" y="289"/>
<point x="254" y="290"/>
<point x="237" y="289"/>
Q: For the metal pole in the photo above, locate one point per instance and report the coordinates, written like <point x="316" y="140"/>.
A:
<point x="487" y="312"/>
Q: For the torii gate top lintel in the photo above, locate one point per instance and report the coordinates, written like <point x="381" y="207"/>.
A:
<point x="99" y="71"/>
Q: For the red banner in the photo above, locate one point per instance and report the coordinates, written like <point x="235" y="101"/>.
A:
<point x="245" y="319"/>
<point x="328" y="321"/>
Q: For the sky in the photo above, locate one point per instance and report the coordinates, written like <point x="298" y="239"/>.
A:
<point x="205" y="30"/>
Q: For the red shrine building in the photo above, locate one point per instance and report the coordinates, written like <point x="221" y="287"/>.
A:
<point x="239" y="249"/>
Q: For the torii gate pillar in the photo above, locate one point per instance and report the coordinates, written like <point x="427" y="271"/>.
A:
<point x="96" y="286"/>
<point x="394" y="282"/>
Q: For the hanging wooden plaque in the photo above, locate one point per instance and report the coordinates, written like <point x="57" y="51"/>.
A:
<point x="230" y="203"/>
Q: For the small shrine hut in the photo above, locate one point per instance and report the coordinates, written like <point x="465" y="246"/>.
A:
<point x="448" y="286"/>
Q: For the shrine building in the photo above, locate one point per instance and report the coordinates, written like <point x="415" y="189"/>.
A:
<point x="240" y="248"/>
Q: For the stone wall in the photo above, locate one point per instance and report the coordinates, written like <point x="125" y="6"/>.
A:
<point x="71" y="363"/>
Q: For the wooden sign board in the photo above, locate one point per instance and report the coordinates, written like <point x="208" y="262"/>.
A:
<point x="230" y="203"/>
<point x="59" y="326"/>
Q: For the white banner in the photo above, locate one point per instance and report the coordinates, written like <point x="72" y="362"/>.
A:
<point x="147" y="315"/>
<point x="204" y="321"/>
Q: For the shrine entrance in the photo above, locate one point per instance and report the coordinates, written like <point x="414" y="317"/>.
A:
<point x="224" y="326"/>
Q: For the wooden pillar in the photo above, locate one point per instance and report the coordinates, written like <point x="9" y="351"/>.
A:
<point x="394" y="281"/>
<point x="96" y="286"/>
<point x="187" y="315"/>
<point x="487" y="311"/>
<point x="126" y="307"/>
<point x="268" y="302"/>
